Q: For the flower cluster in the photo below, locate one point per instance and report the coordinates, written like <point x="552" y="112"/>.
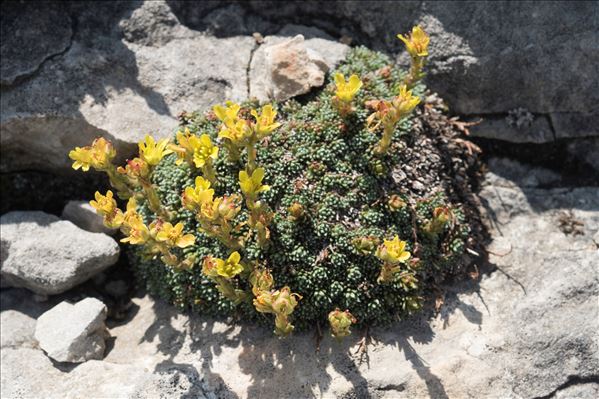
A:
<point x="281" y="302"/>
<point x="158" y="238"/>
<point x="133" y="182"/>
<point x="239" y="133"/>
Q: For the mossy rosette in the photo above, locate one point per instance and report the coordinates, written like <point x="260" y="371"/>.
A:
<point x="327" y="164"/>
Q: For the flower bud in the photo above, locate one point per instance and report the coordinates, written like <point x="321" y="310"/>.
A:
<point x="340" y="323"/>
<point x="395" y="202"/>
<point x="365" y="245"/>
<point x="296" y="211"/>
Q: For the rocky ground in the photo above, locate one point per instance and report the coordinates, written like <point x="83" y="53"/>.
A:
<point x="526" y="327"/>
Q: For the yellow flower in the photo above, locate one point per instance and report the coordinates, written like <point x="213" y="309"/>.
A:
<point x="227" y="207"/>
<point x="251" y="186"/>
<point x="104" y="204"/>
<point x="417" y="42"/>
<point x="235" y="130"/>
<point x="347" y="90"/>
<point x="138" y="232"/>
<point x="383" y="112"/>
<point x="131" y="216"/>
<point x="99" y="155"/>
<point x="226" y="113"/>
<point x="265" y="122"/>
<point x="341" y="322"/>
<point x="82" y="158"/>
<point x="102" y="153"/>
<point x="231" y="267"/>
<point x="393" y="251"/>
<point x="184" y="149"/>
<point x="405" y="102"/>
<point x="203" y="150"/>
<point x="282" y="325"/>
<point x="173" y="235"/>
<point x="194" y="197"/>
<point x="151" y="151"/>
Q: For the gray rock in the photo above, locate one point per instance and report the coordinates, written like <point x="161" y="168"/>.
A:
<point x="84" y="216"/>
<point x="73" y="333"/>
<point x="22" y="52"/>
<point x="171" y="382"/>
<point x="575" y="124"/>
<point x="48" y="255"/>
<point x="18" y="313"/>
<point x="28" y="373"/>
<point x="586" y="150"/>
<point x="515" y="173"/>
<point x="538" y="131"/>
<point x="579" y="390"/>
<point x="139" y="85"/>
<point x="308" y="32"/>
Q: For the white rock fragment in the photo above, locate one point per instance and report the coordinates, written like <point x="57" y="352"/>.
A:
<point x="282" y="68"/>
<point x="73" y="333"/>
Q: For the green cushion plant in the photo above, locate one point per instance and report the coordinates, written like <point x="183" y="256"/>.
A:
<point x="292" y="209"/>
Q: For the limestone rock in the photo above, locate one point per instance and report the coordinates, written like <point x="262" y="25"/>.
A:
<point x="22" y="52"/>
<point x="538" y="130"/>
<point x="48" y="255"/>
<point x="84" y="216"/>
<point x="73" y="333"/>
<point x="282" y="68"/>
<point x="28" y="373"/>
<point x="16" y="329"/>
<point x="104" y="85"/>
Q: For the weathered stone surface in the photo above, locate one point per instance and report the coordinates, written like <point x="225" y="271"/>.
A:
<point x="16" y="329"/>
<point x="22" y="52"/>
<point x="538" y="131"/>
<point x="84" y="216"/>
<point x="48" y="255"/>
<point x="282" y="68"/>
<point x="28" y="373"/>
<point x="579" y="390"/>
<point x="119" y="88"/>
<point x="575" y="124"/>
<point x="73" y="333"/>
